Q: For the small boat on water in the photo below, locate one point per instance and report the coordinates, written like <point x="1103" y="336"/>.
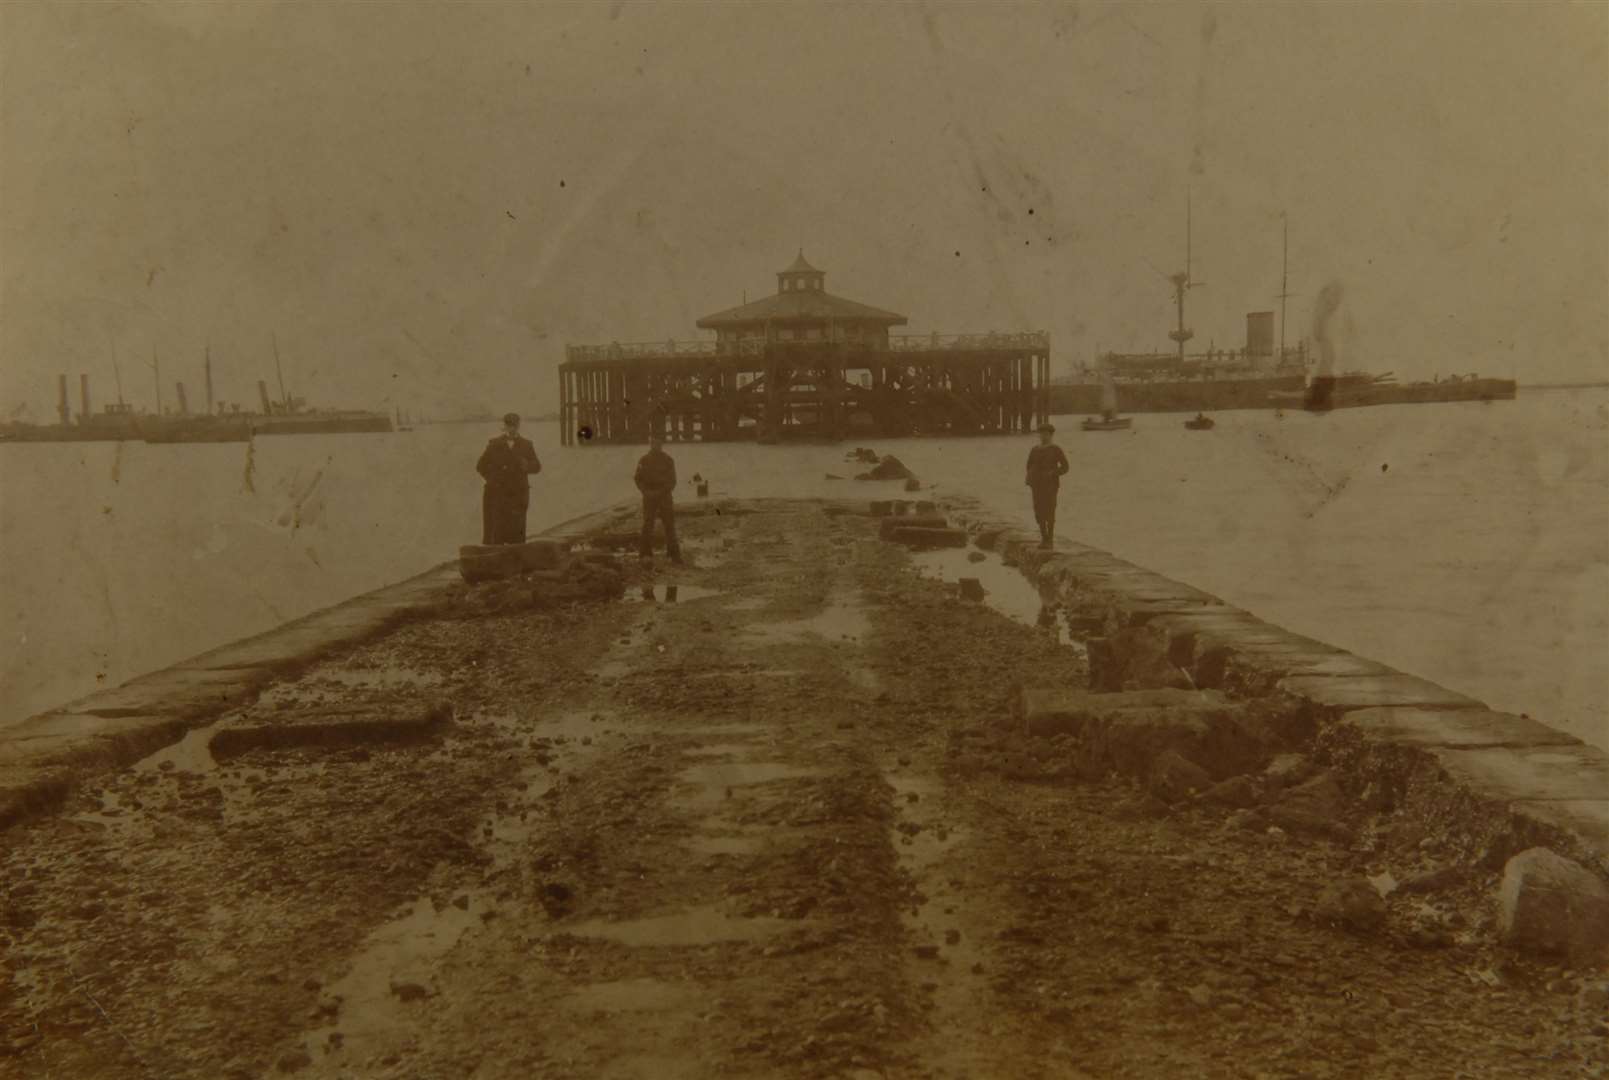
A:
<point x="1109" y="420"/>
<point x="1201" y="422"/>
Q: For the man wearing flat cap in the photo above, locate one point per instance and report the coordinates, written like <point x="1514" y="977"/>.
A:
<point x="656" y="479"/>
<point x="505" y="465"/>
<point x="1046" y="466"/>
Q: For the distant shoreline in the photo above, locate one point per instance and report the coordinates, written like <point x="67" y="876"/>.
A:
<point x="1565" y="385"/>
<point x="548" y="418"/>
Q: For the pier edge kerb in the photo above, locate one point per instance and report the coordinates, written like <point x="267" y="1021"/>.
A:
<point x="1331" y="687"/>
<point x="160" y="707"/>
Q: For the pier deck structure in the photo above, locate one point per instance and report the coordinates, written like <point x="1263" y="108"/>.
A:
<point x="804" y="364"/>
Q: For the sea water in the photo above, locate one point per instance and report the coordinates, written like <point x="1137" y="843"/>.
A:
<point x="1466" y="543"/>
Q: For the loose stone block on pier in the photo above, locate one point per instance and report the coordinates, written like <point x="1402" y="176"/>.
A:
<point x="84" y="738"/>
<point x="345" y="728"/>
<point x="928" y="537"/>
<point x="1128" y="730"/>
<point x="1551" y="904"/>
<point x="27" y="790"/>
<point x="487" y="563"/>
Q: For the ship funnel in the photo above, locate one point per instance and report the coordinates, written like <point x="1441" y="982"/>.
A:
<point x="262" y="392"/>
<point x="184" y="405"/>
<point x="63" y="409"/>
<point x="83" y="399"/>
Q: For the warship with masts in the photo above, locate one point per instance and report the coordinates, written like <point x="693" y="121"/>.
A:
<point x="220" y="422"/>
<point x="1257" y="376"/>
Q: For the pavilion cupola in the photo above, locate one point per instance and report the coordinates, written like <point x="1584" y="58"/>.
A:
<point x="801" y="277"/>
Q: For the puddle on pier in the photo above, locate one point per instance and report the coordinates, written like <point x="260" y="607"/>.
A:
<point x="710" y="781"/>
<point x="112" y="812"/>
<point x="945" y="957"/>
<point x="695" y="926"/>
<point x="674" y="594"/>
<point x="566" y="736"/>
<point x="192" y="754"/>
<point x="843" y="620"/>
<point x="752" y="603"/>
<point x="922" y="854"/>
<point x="1004" y="589"/>
<point x="391" y="971"/>
<point x="864" y="678"/>
<point x="715" y="781"/>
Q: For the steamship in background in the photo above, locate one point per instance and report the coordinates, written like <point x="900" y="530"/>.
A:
<point x="220" y="422"/>
<point x="1262" y="375"/>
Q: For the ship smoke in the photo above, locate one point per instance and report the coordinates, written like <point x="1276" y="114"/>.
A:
<point x="1324" y="309"/>
<point x="1321" y="384"/>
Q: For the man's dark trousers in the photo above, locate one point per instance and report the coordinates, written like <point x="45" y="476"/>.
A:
<point x="1045" y="508"/>
<point x="661" y="507"/>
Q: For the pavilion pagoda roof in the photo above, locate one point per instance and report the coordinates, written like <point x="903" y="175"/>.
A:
<point x="804" y="305"/>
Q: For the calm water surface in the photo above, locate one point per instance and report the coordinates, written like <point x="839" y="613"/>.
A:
<point x="1465" y="543"/>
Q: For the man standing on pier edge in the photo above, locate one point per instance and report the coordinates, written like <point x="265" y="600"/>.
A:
<point x="656" y="479"/>
<point x="506" y="464"/>
<point x="1046" y="466"/>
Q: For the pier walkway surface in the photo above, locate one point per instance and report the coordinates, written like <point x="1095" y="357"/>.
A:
<point x="800" y="819"/>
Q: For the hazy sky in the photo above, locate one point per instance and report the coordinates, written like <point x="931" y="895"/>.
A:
<point x="425" y="202"/>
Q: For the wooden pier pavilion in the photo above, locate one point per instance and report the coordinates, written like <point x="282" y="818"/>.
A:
<point x="804" y="364"/>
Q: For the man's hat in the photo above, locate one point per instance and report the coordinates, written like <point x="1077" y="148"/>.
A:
<point x="511" y="418"/>
<point x="1051" y="428"/>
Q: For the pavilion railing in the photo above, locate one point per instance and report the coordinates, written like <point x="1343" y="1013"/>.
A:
<point x="675" y="350"/>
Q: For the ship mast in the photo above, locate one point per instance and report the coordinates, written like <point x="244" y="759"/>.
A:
<point x="1181" y="285"/>
<point x="283" y="400"/>
<point x="1284" y="288"/>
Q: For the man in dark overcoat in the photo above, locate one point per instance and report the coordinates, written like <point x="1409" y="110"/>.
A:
<point x="506" y="465"/>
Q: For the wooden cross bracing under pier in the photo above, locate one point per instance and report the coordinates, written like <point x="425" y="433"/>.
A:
<point x="979" y="384"/>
